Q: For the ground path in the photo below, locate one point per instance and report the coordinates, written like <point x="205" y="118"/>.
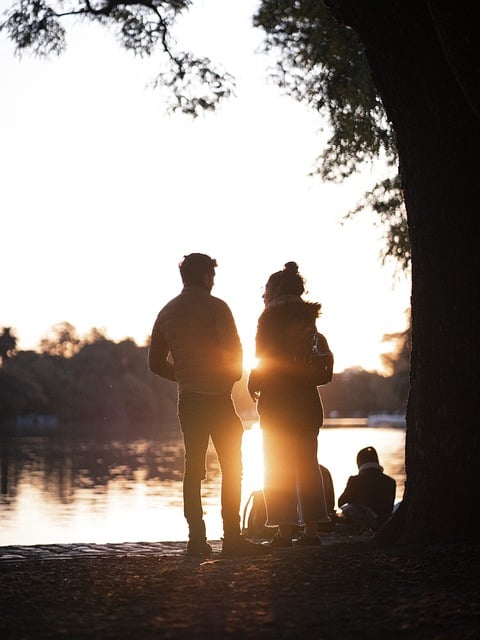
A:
<point x="88" y="550"/>
<point x="345" y="589"/>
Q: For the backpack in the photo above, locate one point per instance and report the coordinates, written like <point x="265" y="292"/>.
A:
<point x="316" y="357"/>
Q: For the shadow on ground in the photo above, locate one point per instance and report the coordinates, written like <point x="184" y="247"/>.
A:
<point x="342" y="590"/>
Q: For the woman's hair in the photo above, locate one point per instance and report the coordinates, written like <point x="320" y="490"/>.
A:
<point x="287" y="281"/>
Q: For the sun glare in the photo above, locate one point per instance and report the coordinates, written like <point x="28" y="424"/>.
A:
<point x="337" y="450"/>
<point x="252" y="456"/>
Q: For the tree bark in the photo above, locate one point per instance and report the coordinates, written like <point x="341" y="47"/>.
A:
<point x="424" y="62"/>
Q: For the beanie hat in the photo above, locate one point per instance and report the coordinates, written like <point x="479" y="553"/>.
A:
<point x="366" y="456"/>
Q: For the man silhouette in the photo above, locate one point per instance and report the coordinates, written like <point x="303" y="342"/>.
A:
<point x="196" y="344"/>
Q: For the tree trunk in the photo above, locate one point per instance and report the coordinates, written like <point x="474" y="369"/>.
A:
<point x="426" y="71"/>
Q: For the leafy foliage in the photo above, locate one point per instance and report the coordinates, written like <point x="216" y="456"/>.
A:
<point x="35" y="26"/>
<point x="322" y="64"/>
<point x="386" y="201"/>
<point x="62" y="341"/>
<point x="8" y="343"/>
<point x="191" y="84"/>
<point x="99" y="383"/>
<point x="354" y="393"/>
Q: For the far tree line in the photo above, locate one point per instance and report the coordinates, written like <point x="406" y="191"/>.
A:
<point x="96" y="383"/>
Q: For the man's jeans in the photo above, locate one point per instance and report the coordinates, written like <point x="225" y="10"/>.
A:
<point x="201" y="417"/>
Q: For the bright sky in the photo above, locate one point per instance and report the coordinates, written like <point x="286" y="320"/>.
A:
<point x="102" y="193"/>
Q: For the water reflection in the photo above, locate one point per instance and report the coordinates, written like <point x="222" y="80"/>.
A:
<point x="61" y="490"/>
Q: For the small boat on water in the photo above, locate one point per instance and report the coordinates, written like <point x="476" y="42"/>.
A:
<point x="386" y="420"/>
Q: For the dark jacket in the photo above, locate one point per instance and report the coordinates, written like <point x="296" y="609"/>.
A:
<point x="371" y="488"/>
<point x="199" y="332"/>
<point x="287" y="397"/>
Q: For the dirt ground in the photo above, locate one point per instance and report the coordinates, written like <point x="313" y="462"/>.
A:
<point x="339" y="591"/>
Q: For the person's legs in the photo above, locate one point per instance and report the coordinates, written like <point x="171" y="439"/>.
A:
<point x="227" y="433"/>
<point x="359" y="517"/>
<point x="310" y="483"/>
<point x="280" y="481"/>
<point x="194" y="420"/>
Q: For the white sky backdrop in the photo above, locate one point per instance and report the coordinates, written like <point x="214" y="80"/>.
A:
<point x="102" y="193"/>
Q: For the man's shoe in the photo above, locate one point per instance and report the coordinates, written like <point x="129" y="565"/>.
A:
<point x="240" y="547"/>
<point x="198" y="548"/>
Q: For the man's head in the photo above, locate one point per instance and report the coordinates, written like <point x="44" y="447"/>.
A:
<point x="198" y="269"/>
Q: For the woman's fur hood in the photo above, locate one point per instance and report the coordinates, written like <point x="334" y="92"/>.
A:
<point x="292" y="307"/>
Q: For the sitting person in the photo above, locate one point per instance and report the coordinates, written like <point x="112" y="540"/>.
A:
<point x="368" y="499"/>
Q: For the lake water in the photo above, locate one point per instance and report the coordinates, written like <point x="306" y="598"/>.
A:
<point x="59" y="490"/>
